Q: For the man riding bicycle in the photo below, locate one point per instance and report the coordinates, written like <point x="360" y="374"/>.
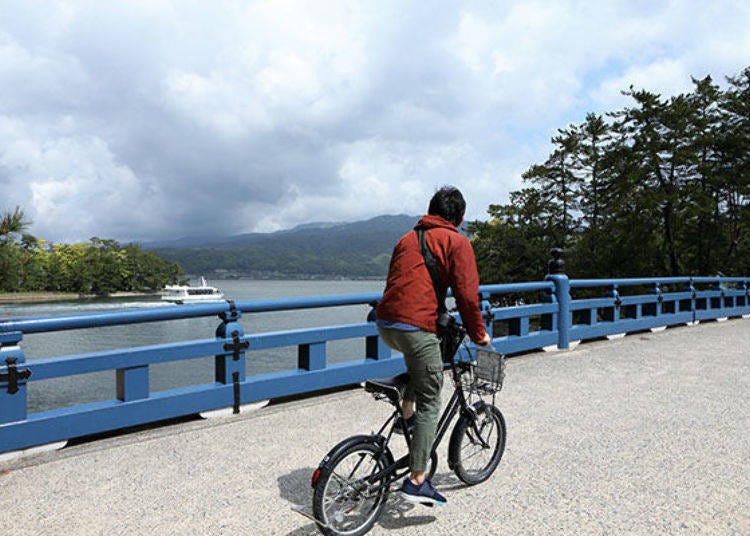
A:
<point x="407" y="322"/>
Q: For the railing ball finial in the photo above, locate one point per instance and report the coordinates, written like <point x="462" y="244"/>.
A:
<point x="556" y="264"/>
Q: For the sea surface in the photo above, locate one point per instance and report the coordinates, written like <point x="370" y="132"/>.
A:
<point x="85" y="388"/>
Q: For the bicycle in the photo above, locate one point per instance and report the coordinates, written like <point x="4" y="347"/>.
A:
<point x="353" y="481"/>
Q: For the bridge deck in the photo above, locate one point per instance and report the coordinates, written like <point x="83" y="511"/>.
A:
<point x="643" y="435"/>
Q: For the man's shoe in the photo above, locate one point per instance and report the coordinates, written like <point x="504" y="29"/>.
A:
<point x="422" y="494"/>
<point x="398" y="428"/>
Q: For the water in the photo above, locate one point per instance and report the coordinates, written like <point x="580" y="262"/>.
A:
<point x="85" y="388"/>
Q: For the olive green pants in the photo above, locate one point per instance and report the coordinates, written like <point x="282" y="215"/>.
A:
<point x="421" y="351"/>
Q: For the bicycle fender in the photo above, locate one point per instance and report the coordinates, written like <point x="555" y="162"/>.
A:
<point x="375" y="439"/>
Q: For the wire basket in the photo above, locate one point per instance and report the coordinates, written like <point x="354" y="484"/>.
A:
<point x="489" y="371"/>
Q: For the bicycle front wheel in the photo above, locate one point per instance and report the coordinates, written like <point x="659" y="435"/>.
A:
<point x="475" y="457"/>
<point x="344" y="502"/>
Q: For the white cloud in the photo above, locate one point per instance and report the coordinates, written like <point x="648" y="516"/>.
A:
<point x="380" y="176"/>
<point x="683" y="40"/>
<point x="114" y="118"/>
<point x="666" y="77"/>
<point x="71" y="182"/>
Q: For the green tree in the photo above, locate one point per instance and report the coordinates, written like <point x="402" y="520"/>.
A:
<point x="34" y="264"/>
<point x="590" y="165"/>
<point x="660" y="187"/>
<point x="12" y="225"/>
<point x="734" y="168"/>
<point x="100" y="266"/>
<point x="558" y="185"/>
<point x="654" y="131"/>
<point x="513" y="245"/>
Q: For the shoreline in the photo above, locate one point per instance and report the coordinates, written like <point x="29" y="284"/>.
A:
<point x="10" y="298"/>
<point x="42" y="297"/>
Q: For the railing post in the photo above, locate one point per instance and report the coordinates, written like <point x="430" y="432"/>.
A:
<point x="612" y="314"/>
<point x="230" y="367"/>
<point x="718" y="287"/>
<point x="132" y="383"/>
<point x="556" y="274"/>
<point x="311" y="356"/>
<point x="486" y="308"/>
<point x="659" y="299"/>
<point x="693" y="302"/>
<point x="13" y="378"/>
<point x="746" y="296"/>
<point x="375" y="348"/>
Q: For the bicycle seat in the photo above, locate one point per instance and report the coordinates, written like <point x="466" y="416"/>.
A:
<point x="390" y="386"/>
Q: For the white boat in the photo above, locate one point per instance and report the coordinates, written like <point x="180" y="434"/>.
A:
<point x="188" y="294"/>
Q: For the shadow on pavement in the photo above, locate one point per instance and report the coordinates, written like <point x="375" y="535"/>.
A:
<point x="447" y="482"/>
<point x="295" y="488"/>
<point x="394" y="515"/>
<point x="308" y="530"/>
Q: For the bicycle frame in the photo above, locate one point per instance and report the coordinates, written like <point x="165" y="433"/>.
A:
<point x="457" y="401"/>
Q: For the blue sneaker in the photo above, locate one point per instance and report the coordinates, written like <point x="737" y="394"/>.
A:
<point x="422" y="494"/>
<point x="398" y="428"/>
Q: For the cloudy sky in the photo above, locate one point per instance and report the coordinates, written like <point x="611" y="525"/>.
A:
<point x="153" y="119"/>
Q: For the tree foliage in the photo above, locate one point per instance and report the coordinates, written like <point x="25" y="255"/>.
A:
<point x="95" y="267"/>
<point x="658" y="188"/>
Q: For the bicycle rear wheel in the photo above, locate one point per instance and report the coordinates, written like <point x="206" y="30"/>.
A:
<point x="474" y="460"/>
<point x="344" y="503"/>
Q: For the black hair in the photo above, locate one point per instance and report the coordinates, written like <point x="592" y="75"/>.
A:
<point x="448" y="203"/>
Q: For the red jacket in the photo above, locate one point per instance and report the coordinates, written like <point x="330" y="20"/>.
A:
<point x="409" y="296"/>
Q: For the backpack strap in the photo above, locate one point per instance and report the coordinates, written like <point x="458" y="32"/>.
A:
<point x="431" y="263"/>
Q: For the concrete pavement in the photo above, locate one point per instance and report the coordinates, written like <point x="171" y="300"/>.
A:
<point x="647" y="435"/>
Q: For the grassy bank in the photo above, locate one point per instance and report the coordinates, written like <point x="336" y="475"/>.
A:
<point x="32" y="297"/>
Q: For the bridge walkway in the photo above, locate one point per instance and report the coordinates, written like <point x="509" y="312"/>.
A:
<point x="643" y="435"/>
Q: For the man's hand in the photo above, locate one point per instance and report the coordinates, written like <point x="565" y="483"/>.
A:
<point x="485" y="342"/>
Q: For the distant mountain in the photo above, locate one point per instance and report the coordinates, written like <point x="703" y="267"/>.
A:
<point x="359" y="249"/>
<point x="221" y="241"/>
<point x="316" y="225"/>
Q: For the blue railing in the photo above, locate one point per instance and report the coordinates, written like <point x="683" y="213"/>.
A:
<point x="543" y="315"/>
<point x="660" y="302"/>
